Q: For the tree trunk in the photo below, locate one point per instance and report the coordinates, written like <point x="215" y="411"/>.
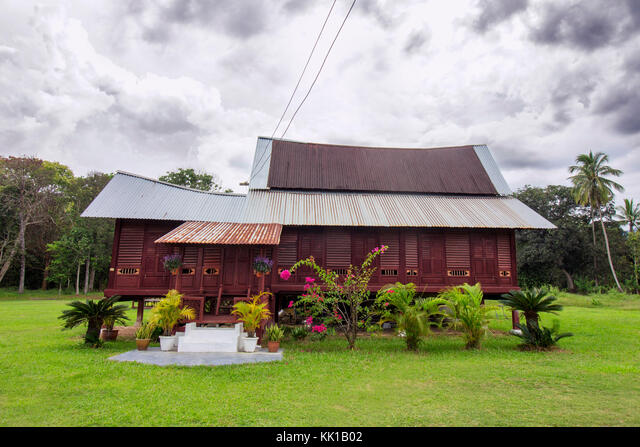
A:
<point x="606" y="243"/>
<point x="7" y="262"/>
<point x="92" y="278"/>
<point x="593" y="232"/>
<point x="23" y="228"/>
<point x="45" y="274"/>
<point x="87" y="265"/>
<point x="78" y="280"/>
<point x="60" y="288"/>
<point x="570" y="285"/>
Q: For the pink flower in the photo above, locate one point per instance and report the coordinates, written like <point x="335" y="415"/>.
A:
<point x="309" y="279"/>
<point x="390" y="291"/>
<point x="320" y="328"/>
<point x="285" y="274"/>
<point x="309" y="321"/>
<point x="307" y="286"/>
<point x="338" y="317"/>
<point x="290" y="303"/>
<point x="386" y="304"/>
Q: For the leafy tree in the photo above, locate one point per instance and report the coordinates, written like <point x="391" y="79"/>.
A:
<point x="192" y="179"/>
<point x="630" y="215"/>
<point x="547" y="256"/>
<point x="592" y="188"/>
<point x="29" y="189"/>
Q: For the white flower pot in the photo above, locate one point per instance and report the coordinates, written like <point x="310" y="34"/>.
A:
<point x="249" y="344"/>
<point x="241" y="342"/>
<point x="168" y="343"/>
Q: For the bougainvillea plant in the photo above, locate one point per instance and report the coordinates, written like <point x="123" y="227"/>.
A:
<point x="262" y="264"/>
<point x="172" y="262"/>
<point x="338" y="300"/>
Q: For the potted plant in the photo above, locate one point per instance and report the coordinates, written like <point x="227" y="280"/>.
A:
<point x="143" y="335"/>
<point x="172" y="263"/>
<point x="93" y="313"/>
<point x="262" y="266"/>
<point x="274" y="335"/>
<point x="166" y="314"/>
<point x="108" y="333"/>
<point x="251" y="314"/>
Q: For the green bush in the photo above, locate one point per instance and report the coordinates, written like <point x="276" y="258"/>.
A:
<point x="464" y="305"/>
<point x="299" y="333"/>
<point x="540" y="338"/>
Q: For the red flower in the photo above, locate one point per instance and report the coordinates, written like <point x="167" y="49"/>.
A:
<point x="285" y="274"/>
<point x="290" y="303"/>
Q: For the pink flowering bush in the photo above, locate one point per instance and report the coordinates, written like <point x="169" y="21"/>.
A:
<point x="335" y="300"/>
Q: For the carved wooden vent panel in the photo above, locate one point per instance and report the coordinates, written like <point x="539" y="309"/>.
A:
<point x="457" y="251"/>
<point x="131" y="244"/>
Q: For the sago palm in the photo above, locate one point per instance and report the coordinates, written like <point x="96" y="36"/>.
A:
<point x="532" y="302"/>
<point x="93" y="313"/>
<point x="592" y="188"/>
<point x="169" y="311"/>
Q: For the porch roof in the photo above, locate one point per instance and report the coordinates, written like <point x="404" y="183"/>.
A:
<point x="223" y="233"/>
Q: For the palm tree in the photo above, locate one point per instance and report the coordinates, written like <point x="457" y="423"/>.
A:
<point x="532" y="302"/>
<point x="630" y="215"/>
<point x="592" y="188"/>
<point x="93" y="313"/>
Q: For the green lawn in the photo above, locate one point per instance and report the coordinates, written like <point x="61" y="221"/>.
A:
<point x="47" y="378"/>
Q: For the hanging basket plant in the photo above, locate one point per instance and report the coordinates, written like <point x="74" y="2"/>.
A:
<point x="262" y="265"/>
<point x="172" y="263"/>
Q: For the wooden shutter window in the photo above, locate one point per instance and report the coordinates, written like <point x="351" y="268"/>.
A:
<point x="288" y="249"/>
<point x="411" y="250"/>
<point x="338" y="248"/>
<point x="212" y="256"/>
<point x="390" y="258"/>
<point x="457" y="251"/>
<point x="131" y="244"/>
<point x="190" y="256"/>
<point x="504" y="251"/>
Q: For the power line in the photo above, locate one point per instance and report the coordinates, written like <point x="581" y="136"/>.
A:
<point x="300" y="78"/>
<point x="310" y="88"/>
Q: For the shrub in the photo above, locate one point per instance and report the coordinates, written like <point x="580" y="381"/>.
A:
<point x="411" y="316"/>
<point x="464" y="305"/>
<point x="169" y="311"/>
<point x="299" y="333"/>
<point x="93" y="313"/>
<point x="540" y="338"/>
<point x="531" y="302"/>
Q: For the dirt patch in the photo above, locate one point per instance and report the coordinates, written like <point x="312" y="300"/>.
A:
<point x="126" y="331"/>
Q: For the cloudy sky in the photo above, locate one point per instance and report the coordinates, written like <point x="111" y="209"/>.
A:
<point x="146" y="86"/>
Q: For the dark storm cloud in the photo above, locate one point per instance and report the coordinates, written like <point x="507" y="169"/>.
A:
<point x="513" y="156"/>
<point x="416" y="41"/>
<point x="622" y="104"/>
<point x="373" y="9"/>
<point x="493" y="12"/>
<point x="586" y="25"/>
<point x="296" y="6"/>
<point x="239" y="19"/>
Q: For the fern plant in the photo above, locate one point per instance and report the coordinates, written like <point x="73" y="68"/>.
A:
<point x="411" y="316"/>
<point x="169" y="311"/>
<point x="464" y="305"/>
<point x="93" y="313"/>
<point x="252" y="313"/>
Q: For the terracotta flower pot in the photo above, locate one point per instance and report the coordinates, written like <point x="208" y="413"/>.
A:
<point x="258" y="274"/>
<point x="274" y="346"/>
<point x="142" y="343"/>
<point x="108" y="335"/>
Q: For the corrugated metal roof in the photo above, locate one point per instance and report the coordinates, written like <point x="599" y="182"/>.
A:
<point x="131" y="196"/>
<point x="390" y="210"/>
<point x="223" y="233"/>
<point x="311" y="166"/>
<point x="261" y="161"/>
<point x="492" y="170"/>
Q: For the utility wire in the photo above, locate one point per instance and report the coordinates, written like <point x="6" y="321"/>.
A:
<point x="300" y="78"/>
<point x="311" y="87"/>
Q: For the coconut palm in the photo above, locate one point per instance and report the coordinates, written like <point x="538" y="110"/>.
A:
<point x="630" y="215"/>
<point x="592" y="188"/>
<point x="93" y="313"/>
<point x="531" y="302"/>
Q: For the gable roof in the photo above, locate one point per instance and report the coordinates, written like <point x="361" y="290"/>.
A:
<point x="283" y="164"/>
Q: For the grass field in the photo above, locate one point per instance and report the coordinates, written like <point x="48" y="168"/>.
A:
<point x="47" y="378"/>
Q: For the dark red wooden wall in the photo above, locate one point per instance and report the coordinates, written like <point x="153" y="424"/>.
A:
<point x="430" y="258"/>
